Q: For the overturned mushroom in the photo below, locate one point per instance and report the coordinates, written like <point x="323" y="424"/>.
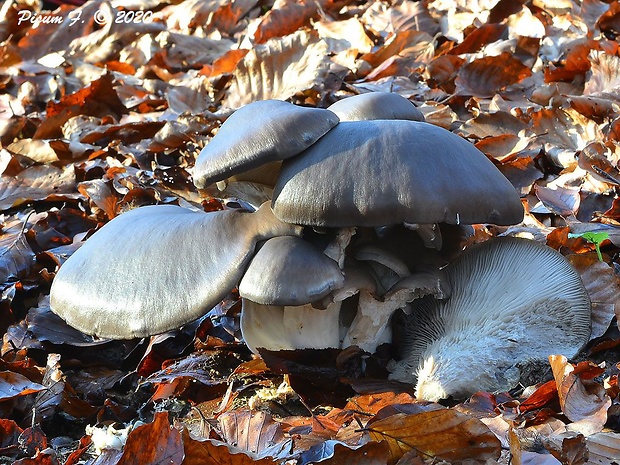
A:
<point x="375" y="173"/>
<point x="513" y="302"/>
<point x="259" y="133"/>
<point x="156" y="268"/>
<point x="376" y="105"/>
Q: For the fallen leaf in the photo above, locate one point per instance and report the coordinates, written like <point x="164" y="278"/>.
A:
<point x="14" y="384"/>
<point x="370" y="404"/>
<point x="479" y="37"/>
<point x="603" y="287"/>
<point x="487" y="76"/>
<point x="214" y="452"/>
<point x="442" y="434"/>
<point x="255" y="433"/>
<point x="278" y="69"/>
<point x="165" y="445"/>
<point x="584" y="402"/>
<point x="563" y="202"/>
<point x="286" y="17"/>
<point x="333" y="452"/>
<point x="34" y="184"/>
<point x="16" y="255"/>
<point x="36" y="150"/>
<point x="97" y="99"/>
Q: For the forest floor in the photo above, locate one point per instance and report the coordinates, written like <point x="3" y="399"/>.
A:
<point x="105" y="107"/>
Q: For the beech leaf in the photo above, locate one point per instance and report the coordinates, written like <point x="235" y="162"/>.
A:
<point x="443" y="434"/>
<point x="155" y="443"/>
<point x="278" y="69"/>
<point x="584" y="402"/>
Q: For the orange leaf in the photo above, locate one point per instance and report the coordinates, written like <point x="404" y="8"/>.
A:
<point x="585" y="403"/>
<point x="444" y="434"/>
<point x="156" y="443"/>
<point x="216" y="453"/>
<point x="486" y="76"/>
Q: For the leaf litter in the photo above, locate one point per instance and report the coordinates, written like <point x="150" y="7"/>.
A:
<point x="100" y="118"/>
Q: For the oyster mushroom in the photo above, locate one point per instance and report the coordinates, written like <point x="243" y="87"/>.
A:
<point x="391" y="172"/>
<point x="156" y="268"/>
<point x="289" y="271"/>
<point x="513" y="302"/>
<point x="376" y="105"/>
<point x="256" y="134"/>
<point x="287" y="327"/>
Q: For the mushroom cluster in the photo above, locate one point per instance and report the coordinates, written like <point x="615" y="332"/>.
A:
<point x="358" y="209"/>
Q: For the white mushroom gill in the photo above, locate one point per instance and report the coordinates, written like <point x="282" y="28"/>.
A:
<point x="513" y="301"/>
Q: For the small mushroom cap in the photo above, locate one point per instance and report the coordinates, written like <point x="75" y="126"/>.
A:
<point x="513" y="301"/>
<point x="289" y="271"/>
<point x="156" y="268"/>
<point x="259" y="133"/>
<point x="376" y="105"/>
<point x="375" y="173"/>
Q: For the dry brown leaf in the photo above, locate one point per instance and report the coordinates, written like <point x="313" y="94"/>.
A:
<point x="225" y="64"/>
<point x="443" y="70"/>
<point x="35" y="183"/>
<point x="561" y="201"/>
<point x="253" y="432"/>
<point x="101" y="195"/>
<point x="37" y="150"/>
<point x="487" y="76"/>
<point x="479" y="37"/>
<point x="497" y="124"/>
<point x="594" y="158"/>
<point x="14" y="384"/>
<point x="372" y="403"/>
<point x="597" y="108"/>
<point x="286" y="17"/>
<point x="217" y="453"/>
<point x="336" y="453"/>
<point x="584" y="402"/>
<point x="575" y="62"/>
<point x="50" y="37"/>
<point x="16" y="255"/>
<point x="164" y="444"/>
<point x="563" y="132"/>
<point x="609" y="21"/>
<point x="344" y="35"/>
<point x="603" y="448"/>
<point x="97" y="99"/>
<point x="443" y="434"/>
<point x="603" y="287"/>
<point x="604" y="79"/>
<point x="397" y="44"/>
<point x="278" y="69"/>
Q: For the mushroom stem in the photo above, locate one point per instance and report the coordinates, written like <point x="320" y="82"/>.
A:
<point x="370" y="327"/>
<point x="276" y="327"/>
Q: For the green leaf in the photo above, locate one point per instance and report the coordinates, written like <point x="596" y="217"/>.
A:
<point x="596" y="238"/>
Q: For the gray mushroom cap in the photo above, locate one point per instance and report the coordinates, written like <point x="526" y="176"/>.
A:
<point x="376" y="105"/>
<point x="258" y="133"/>
<point x="289" y="271"/>
<point x="156" y="268"/>
<point x="374" y="173"/>
<point x="513" y="302"/>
